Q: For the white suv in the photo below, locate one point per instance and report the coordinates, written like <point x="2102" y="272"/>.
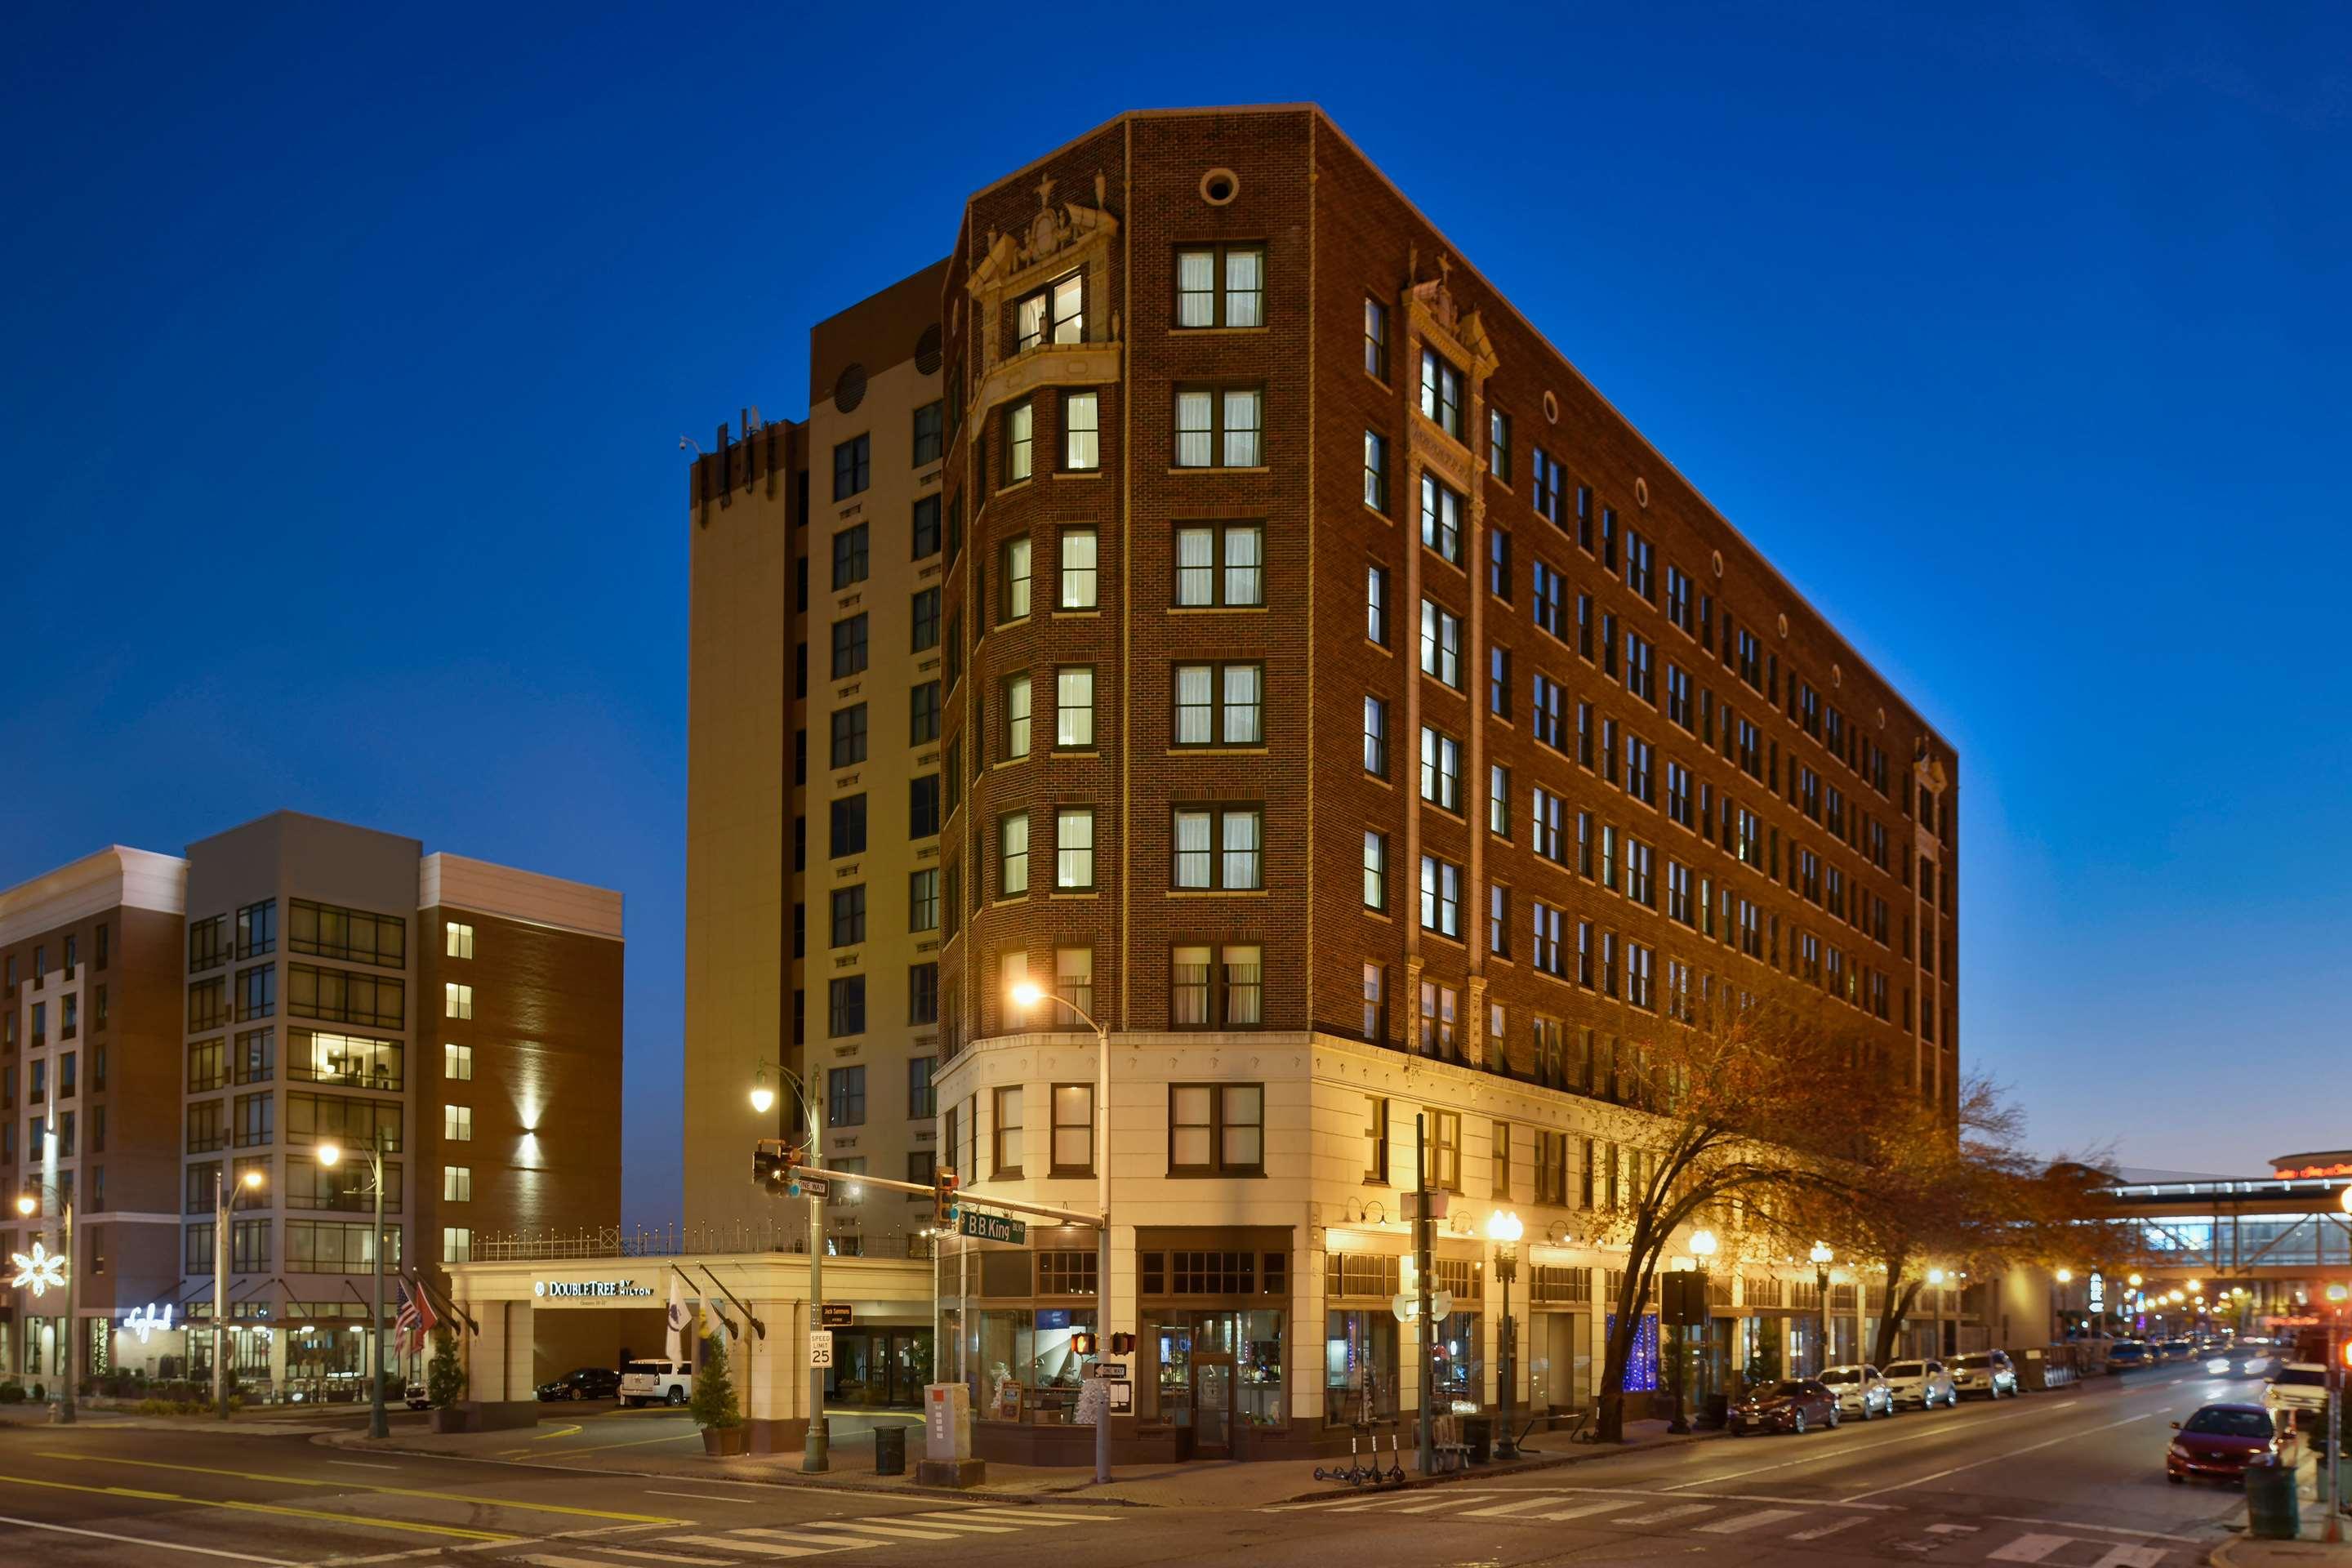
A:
<point x="1861" y="1392"/>
<point x="1923" y="1384"/>
<point x="2299" y="1388"/>
<point x="1989" y="1372"/>
<point x="655" y="1383"/>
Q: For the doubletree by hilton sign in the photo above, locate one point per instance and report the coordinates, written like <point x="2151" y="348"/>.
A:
<point x="590" y="1290"/>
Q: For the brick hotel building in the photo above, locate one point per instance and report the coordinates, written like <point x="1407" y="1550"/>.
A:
<point x="169" y="1022"/>
<point x="1314" y="679"/>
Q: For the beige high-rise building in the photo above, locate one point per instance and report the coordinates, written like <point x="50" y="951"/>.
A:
<point x="813" y="780"/>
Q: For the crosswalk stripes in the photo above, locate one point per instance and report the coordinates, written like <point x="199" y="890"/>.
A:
<point x="1738" y="1522"/>
<point x="1832" y="1528"/>
<point x="1660" y="1516"/>
<point x="883" y="1527"/>
<point x="678" y="1557"/>
<point x="735" y="1540"/>
<point x="1502" y="1510"/>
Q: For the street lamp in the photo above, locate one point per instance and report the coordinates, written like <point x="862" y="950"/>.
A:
<point x="26" y="1205"/>
<point x="1703" y="1247"/>
<point x="224" y="1197"/>
<point x="1823" y="1257"/>
<point x="1504" y="1230"/>
<point x="2132" y="1280"/>
<point x="330" y="1155"/>
<point x="1026" y="994"/>
<point x="1935" y="1305"/>
<point x="817" y="1442"/>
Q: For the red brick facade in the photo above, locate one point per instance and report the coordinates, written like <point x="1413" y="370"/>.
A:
<point x="1123" y="200"/>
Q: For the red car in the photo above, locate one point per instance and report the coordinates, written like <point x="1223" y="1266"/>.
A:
<point x="1793" y="1405"/>
<point x="2221" y="1441"/>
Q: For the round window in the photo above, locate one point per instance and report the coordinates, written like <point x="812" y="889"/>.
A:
<point x="1219" y="186"/>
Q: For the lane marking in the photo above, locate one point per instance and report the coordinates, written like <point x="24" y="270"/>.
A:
<point x="1845" y="1450"/>
<point x="1997" y="1458"/>
<point x="1432" y="1504"/>
<point x="1738" y="1523"/>
<point x="2072" y="1524"/>
<point x="379" y="1490"/>
<point x="488" y="1537"/>
<point x="2028" y="1549"/>
<point x="143" y="1541"/>
<point x="950" y="1521"/>
<point x="559" y="1432"/>
<point x="737" y="1543"/>
<point x="361" y="1465"/>
<point x="664" y="1556"/>
<point x="1832" y="1528"/>
<point x="1659" y="1516"/>
<point x="2130" y="1557"/>
<point x="1029" y="1516"/>
<point x="551" y="1560"/>
<point x="1504" y="1510"/>
<point x="902" y="1531"/>
<point x="1074" y="1515"/>
<point x="1582" y="1510"/>
<point x="703" y="1497"/>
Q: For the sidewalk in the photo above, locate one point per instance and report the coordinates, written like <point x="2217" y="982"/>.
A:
<point x="2307" y="1550"/>
<point x="1212" y="1484"/>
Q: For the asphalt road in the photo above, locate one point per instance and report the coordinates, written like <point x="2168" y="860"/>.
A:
<point x="2070" y="1481"/>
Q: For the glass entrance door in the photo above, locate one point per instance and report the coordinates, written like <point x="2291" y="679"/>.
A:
<point x="1213" y="1405"/>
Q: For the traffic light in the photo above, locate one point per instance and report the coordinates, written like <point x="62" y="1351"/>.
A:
<point x="2348" y="1353"/>
<point x="775" y="1168"/>
<point x="943" y="1198"/>
<point x="1082" y="1342"/>
<point x="1122" y="1344"/>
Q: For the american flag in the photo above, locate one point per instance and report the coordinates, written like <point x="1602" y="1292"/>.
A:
<point x="414" y="1322"/>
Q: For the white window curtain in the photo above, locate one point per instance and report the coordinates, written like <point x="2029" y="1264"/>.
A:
<point x="1030" y="322"/>
<point x="1241" y="429"/>
<point x="1016" y="440"/>
<point x="1195" y="566"/>
<point x="1241" y="849"/>
<point x="1074" y="849"/>
<point x="1073" y="707"/>
<point x="1194" y="705"/>
<point x="1193" y="430"/>
<point x="1191" y="849"/>
<point x="1085" y="450"/>
<point x="1242" y="548"/>
<point x="1196" y="288"/>
<point x="1243" y="727"/>
<point x="1244" y="295"/>
<point x="1070" y="310"/>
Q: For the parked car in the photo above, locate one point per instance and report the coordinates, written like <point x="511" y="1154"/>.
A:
<point x="416" y="1398"/>
<point x="655" y="1383"/>
<point x="2178" y="1350"/>
<point x="1925" y="1384"/>
<point x="1989" y="1372"/>
<point x="582" y="1383"/>
<point x="1791" y="1405"/>
<point x="2125" y="1354"/>
<point x="2222" y="1440"/>
<point x="1862" y="1392"/>
<point x="2297" y="1389"/>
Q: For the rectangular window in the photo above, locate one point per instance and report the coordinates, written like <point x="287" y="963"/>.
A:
<point x="1440" y="1021"/>
<point x="1440" y="644"/>
<point x="1498" y="681"/>
<point x="1549" y="599"/>
<point x="328" y="931"/>
<point x="457" y="1123"/>
<point x="1216" y="1129"/>
<point x="1441" y="517"/>
<point x="1081" y="431"/>
<point x="1012" y="581"/>
<point x="848" y="916"/>
<point x="848" y="827"/>
<point x="849" y="557"/>
<point x="1544" y="481"/>
<point x="1376" y="339"/>
<point x="458" y="1063"/>
<point x="1013" y="854"/>
<point x="1219" y="849"/>
<point x="1055" y="313"/>
<point x="1074" y="977"/>
<point x="457" y="1184"/>
<point x="1218" y="705"/>
<point x="1020" y="441"/>
<point x="846" y="1007"/>
<point x="923" y="713"/>
<point x="1220" y="286"/>
<point x="1077" y="577"/>
<point x="1376" y="1140"/>
<point x="257" y="997"/>
<point x="1441" y="769"/>
<point x="1498" y="563"/>
<point x="923" y="899"/>
<point x="1441" y="393"/>
<point x="1216" y="987"/>
<point x="849" y="646"/>
<point x="1498" y="917"/>
<point x="457" y="1001"/>
<point x="1220" y="427"/>
<point x="1074" y="707"/>
<point x="849" y="736"/>
<point x="1498" y="800"/>
<point x="1376" y="604"/>
<point x="844" y="1097"/>
<point x="1376" y="869"/>
<point x="1638" y="557"/>
<point x="1376" y="471"/>
<point x="928" y="445"/>
<point x="852" y="466"/>
<point x="1445" y="1149"/>
<point x="1376" y="1002"/>
<point x="1545" y="950"/>
<point x="1074" y="848"/>
<point x="1016" y="695"/>
<point x="1441" y="897"/>
<point x="1640" y="679"/>
<point x="1498" y="444"/>
<point x="926" y="620"/>
<point x="1221" y="566"/>
<point x="1376" y="737"/>
<point x="1550" y="704"/>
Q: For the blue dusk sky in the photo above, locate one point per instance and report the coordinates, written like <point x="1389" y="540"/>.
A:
<point x="346" y="356"/>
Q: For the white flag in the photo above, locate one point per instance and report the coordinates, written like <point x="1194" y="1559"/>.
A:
<point x="678" y="1320"/>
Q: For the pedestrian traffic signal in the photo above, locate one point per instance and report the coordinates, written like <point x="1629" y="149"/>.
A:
<point x="1122" y="1344"/>
<point x="1082" y="1342"/>
<point x="943" y="1198"/>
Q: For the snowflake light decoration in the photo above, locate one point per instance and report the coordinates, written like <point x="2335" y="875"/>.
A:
<point x="39" y="1269"/>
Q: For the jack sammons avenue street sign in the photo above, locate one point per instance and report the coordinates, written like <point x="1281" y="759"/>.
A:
<point x="992" y="1226"/>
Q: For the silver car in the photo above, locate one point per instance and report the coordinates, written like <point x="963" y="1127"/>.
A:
<point x="1989" y="1372"/>
<point x="1862" y="1392"/>
<point x="1925" y="1384"/>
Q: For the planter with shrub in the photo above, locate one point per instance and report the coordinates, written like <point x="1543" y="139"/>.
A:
<point x="714" y="1406"/>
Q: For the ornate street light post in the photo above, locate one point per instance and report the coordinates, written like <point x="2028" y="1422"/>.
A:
<point x="1703" y="1248"/>
<point x="1504" y="1230"/>
<point x="26" y="1205"/>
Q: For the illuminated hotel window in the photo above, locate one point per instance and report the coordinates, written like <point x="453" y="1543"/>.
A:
<point x="457" y="1000"/>
<point x="457" y="1123"/>
<point x="457" y="1184"/>
<point x="461" y="940"/>
<point x="458" y="1063"/>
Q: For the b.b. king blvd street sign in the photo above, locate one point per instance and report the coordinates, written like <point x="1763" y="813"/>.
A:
<point x="992" y="1226"/>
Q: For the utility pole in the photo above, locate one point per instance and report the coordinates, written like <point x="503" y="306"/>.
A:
<point x="377" y="1425"/>
<point x="815" y="1456"/>
<point x="1427" y="1331"/>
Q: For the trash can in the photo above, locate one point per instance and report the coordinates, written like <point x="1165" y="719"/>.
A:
<point x="1478" y="1437"/>
<point x="2271" y="1510"/>
<point x="891" y="1450"/>
<point x="1715" y="1413"/>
